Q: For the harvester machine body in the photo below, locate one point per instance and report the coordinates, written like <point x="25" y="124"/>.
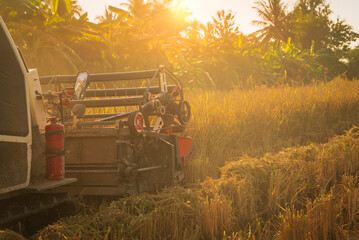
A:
<point x="121" y="129"/>
<point x="119" y="134"/>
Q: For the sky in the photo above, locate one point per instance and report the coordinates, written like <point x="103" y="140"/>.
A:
<point x="203" y="10"/>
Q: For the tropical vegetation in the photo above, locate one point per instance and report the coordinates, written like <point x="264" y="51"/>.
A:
<point x="265" y="163"/>
<point x="292" y="45"/>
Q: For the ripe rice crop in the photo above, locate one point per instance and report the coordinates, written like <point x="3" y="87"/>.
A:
<point x="226" y="125"/>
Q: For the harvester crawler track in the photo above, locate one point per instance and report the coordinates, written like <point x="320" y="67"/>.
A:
<point x="17" y="208"/>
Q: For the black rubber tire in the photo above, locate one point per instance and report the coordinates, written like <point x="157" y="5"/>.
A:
<point x="184" y="117"/>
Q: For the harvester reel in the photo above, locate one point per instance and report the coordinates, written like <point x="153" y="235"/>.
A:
<point x="136" y="122"/>
<point x="184" y="112"/>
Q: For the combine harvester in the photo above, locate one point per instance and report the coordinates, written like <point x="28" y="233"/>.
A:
<point x="85" y="134"/>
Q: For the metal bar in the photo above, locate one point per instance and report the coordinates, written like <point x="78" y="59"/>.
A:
<point x="110" y="102"/>
<point x="110" y="170"/>
<point x="172" y="76"/>
<point x="119" y="92"/>
<point x="89" y="123"/>
<point x="149" y="169"/>
<point x="91" y="171"/>
<point x="117" y="116"/>
<point x="153" y="78"/>
<point x="49" y="83"/>
<point x="99" y="115"/>
<point x="89" y="164"/>
<point x="102" y="77"/>
<point x="44" y="184"/>
<point x="100" y="132"/>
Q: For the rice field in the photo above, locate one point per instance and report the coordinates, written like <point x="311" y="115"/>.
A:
<point x="267" y="163"/>
<point x="254" y="122"/>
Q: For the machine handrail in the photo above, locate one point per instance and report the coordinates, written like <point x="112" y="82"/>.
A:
<point x="102" y="77"/>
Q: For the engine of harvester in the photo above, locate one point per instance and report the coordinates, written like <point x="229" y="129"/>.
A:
<point x="124" y="132"/>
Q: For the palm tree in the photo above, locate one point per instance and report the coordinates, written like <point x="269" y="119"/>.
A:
<point x="273" y="21"/>
<point x="139" y="9"/>
<point x="48" y="33"/>
<point x="311" y="23"/>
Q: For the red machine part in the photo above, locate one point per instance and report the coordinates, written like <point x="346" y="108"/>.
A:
<point x="139" y="121"/>
<point x="184" y="144"/>
<point x="55" y="151"/>
<point x="176" y="91"/>
<point x="136" y="122"/>
<point x="67" y="94"/>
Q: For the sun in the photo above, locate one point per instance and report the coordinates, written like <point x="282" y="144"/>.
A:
<point x="196" y="8"/>
<point x="205" y="10"/>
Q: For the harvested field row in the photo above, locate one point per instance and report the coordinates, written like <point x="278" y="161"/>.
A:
<point x="308" y="192"/>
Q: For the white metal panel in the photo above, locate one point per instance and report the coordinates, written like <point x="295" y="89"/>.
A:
<point x="37" y="104"/>
<point x="26" y="139"/>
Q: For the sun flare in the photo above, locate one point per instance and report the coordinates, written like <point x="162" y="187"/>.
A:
<point x="196" y="8"/>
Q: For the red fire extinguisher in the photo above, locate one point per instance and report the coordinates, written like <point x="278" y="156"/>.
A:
<point x="55" y="151"/>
